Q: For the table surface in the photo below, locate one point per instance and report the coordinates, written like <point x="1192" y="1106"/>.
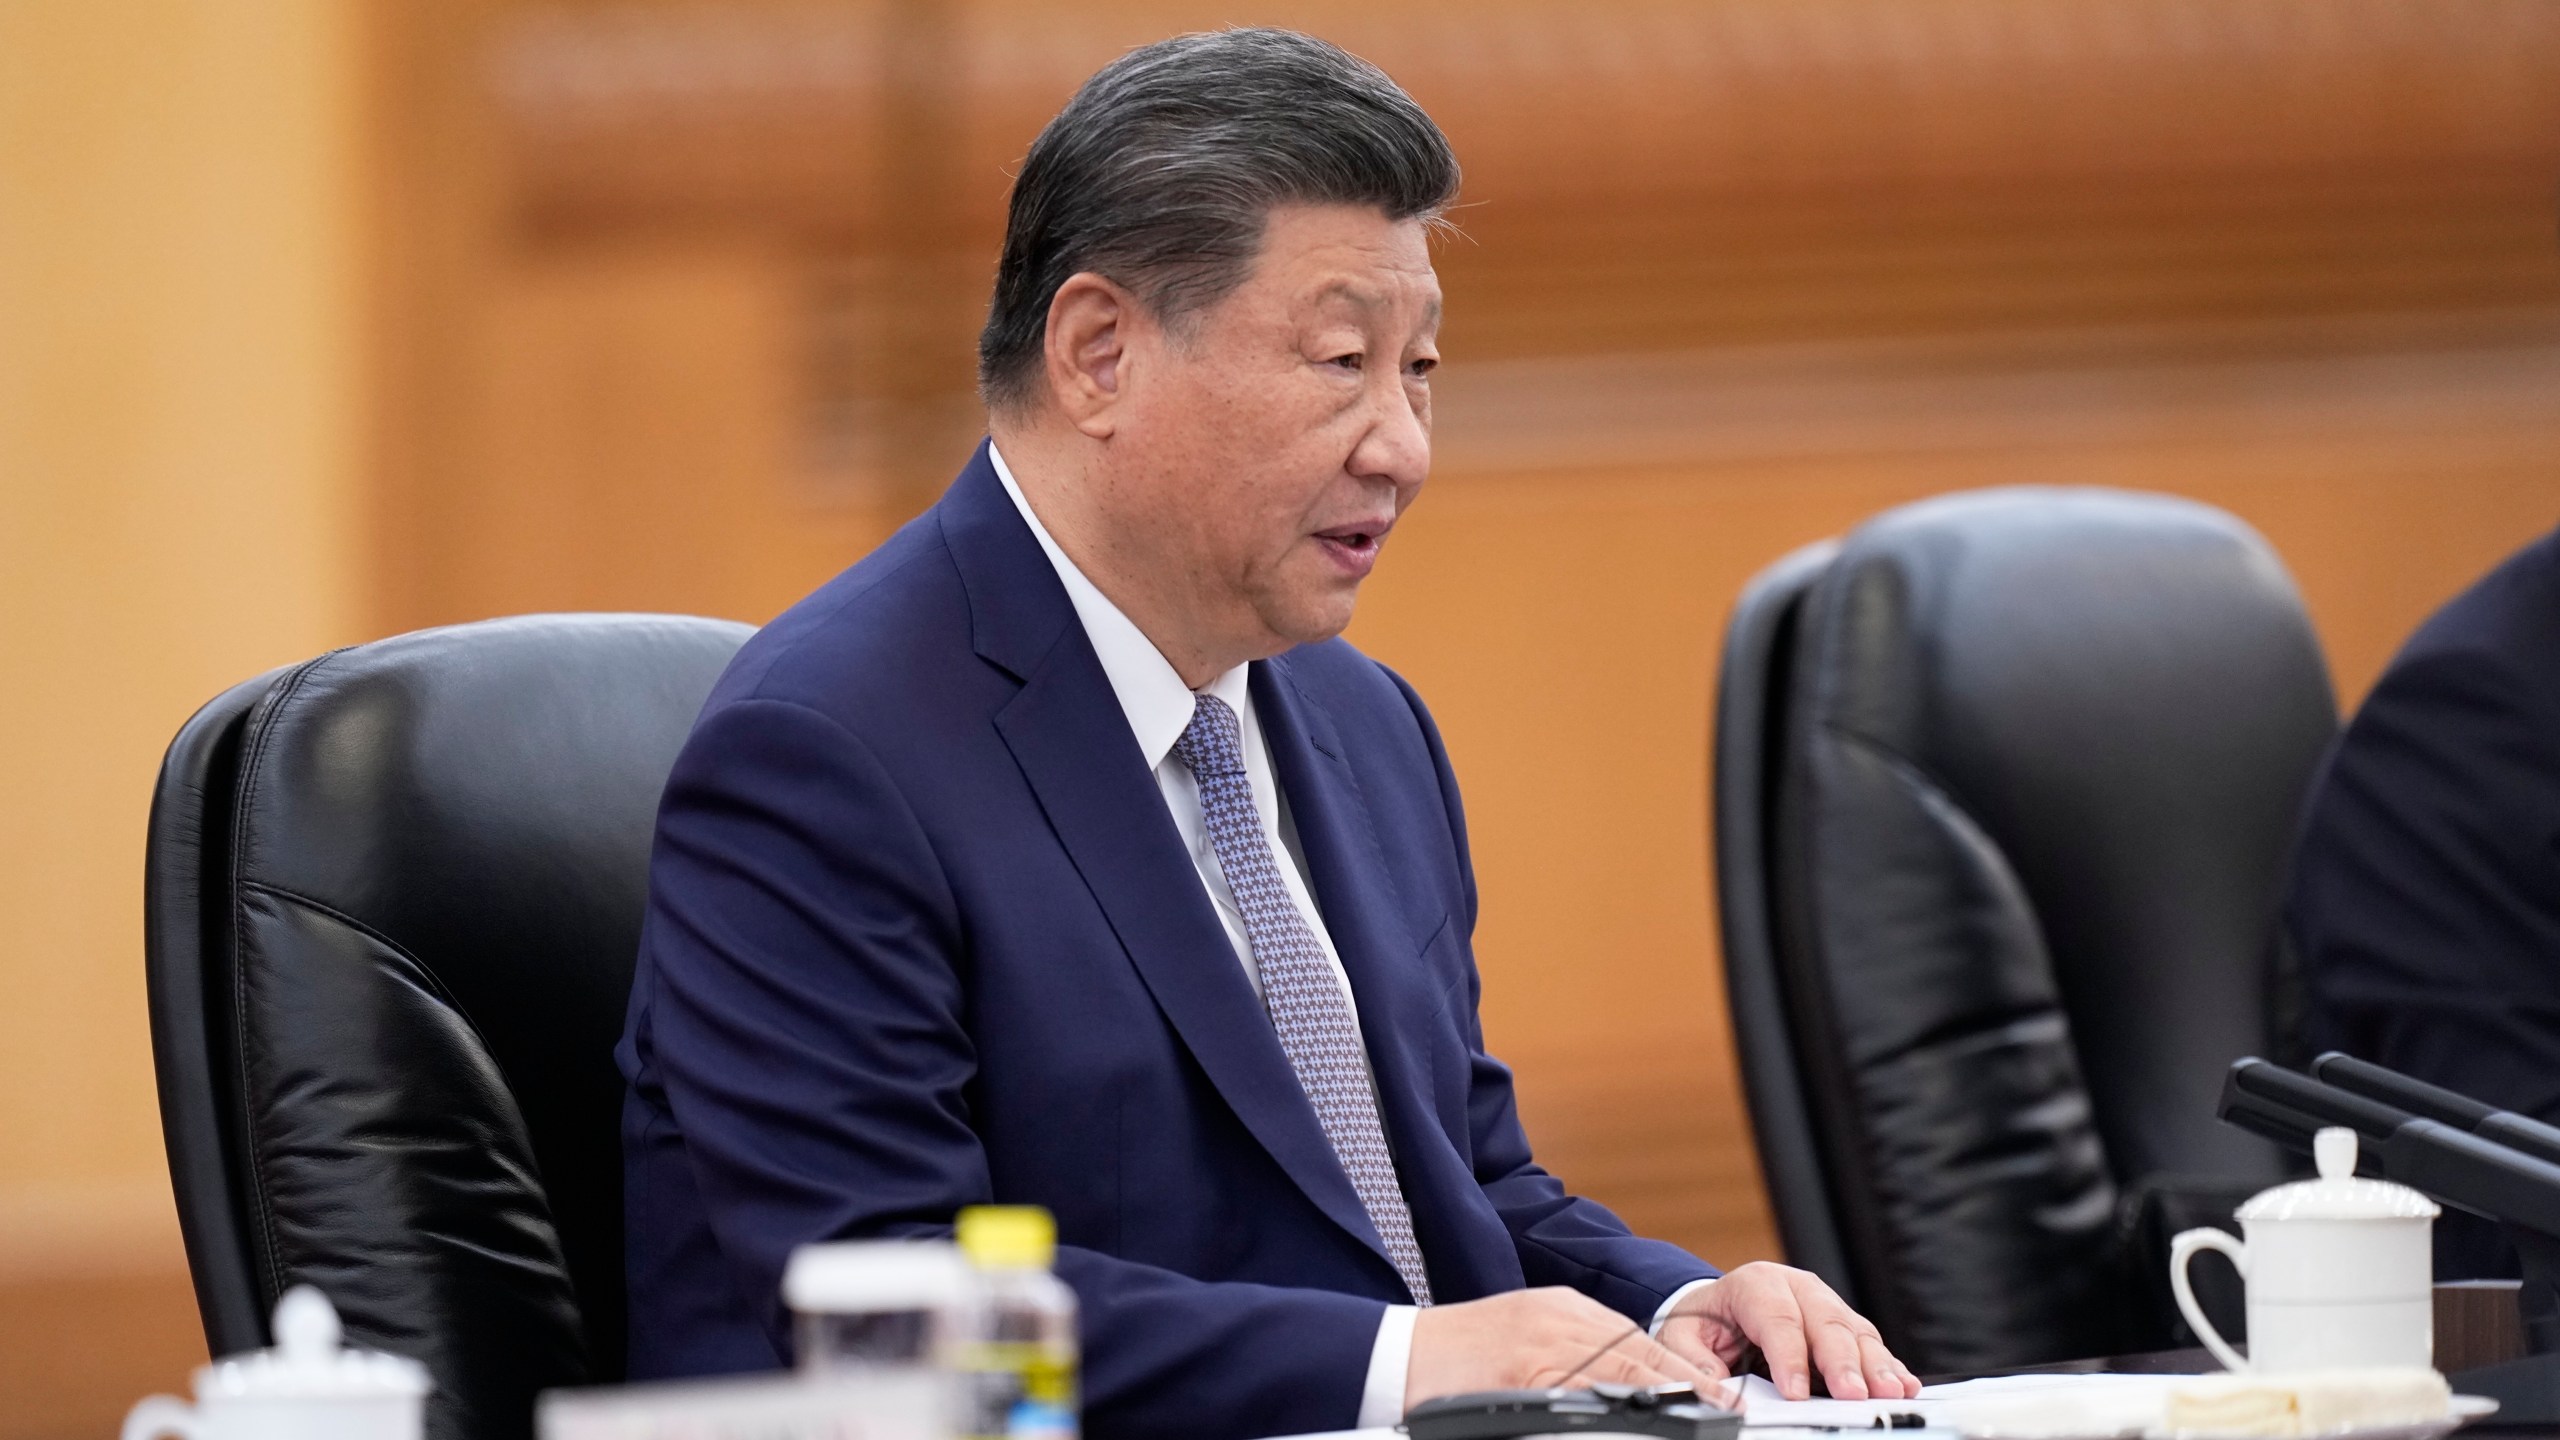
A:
<point x="2157" y="1362"/>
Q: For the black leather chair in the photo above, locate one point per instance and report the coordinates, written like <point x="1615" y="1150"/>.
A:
<point x="393" y="902"/>
<point x="2005" y="783"/>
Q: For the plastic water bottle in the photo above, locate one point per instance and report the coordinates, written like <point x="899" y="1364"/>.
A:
<point x="1023" y="1365"/>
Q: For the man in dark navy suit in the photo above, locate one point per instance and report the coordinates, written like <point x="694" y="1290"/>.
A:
<point x="1057" y="853"/>
<point x="2426" y="894"/>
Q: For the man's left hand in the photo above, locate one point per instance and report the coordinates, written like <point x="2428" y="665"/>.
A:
<point x="1797" y="1324"/>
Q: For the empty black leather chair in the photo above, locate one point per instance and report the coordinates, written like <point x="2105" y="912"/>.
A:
<point x="2004" y="787"/>
<point x="394" y="897"/>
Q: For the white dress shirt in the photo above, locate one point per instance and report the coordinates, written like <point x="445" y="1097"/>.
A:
<point x="1158" y="707"/>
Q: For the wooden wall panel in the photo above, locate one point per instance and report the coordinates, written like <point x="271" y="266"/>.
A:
<point x="691" y="113"/>
<point x="1640" y="174"/>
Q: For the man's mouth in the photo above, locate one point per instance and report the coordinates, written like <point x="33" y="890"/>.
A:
<point x="1354" y="547"/>
<point x="1358" y="539"/>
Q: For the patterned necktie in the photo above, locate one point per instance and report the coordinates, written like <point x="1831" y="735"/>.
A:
<point x="1307" y="1004"/>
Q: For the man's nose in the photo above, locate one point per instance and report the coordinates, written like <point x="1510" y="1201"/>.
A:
<point x="1397" y="447"/>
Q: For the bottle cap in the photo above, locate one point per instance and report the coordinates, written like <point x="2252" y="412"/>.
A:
<point x="1008" y="1237"/>
<point x="845" y="1277"/>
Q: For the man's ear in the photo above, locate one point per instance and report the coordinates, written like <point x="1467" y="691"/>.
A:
<point x="1085" y="352"/>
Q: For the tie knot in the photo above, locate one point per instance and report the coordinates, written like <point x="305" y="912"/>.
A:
<point x="1211" y="744"/>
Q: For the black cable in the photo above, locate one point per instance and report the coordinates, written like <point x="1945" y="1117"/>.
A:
<point x="1614" y="1342"/>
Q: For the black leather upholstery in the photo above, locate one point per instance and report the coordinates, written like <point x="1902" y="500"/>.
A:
<point x="2005" y="787"/>
<point x="394" y="896"/>
<point x="1751" y="692"/>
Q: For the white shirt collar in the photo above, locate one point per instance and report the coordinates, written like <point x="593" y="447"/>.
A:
<point x="1152" y="695"/>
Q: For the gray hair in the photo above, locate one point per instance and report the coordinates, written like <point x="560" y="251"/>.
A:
<point x="1161" y="172"/>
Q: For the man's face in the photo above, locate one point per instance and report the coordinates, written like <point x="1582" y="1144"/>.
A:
<point x="1272" y="439"/>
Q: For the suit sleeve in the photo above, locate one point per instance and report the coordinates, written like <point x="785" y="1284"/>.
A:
<point x="808" y="1032"/>
<point x="2425" y="900"/>
<point x="1562" y="1238"/>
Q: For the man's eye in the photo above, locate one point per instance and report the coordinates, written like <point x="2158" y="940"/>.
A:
<point x="1424" y="367"/>
<point x="1347" y="362"/>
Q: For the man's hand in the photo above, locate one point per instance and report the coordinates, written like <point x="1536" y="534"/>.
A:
<point x="1531" y="1339"/>
<point x="1793" y="1319"/>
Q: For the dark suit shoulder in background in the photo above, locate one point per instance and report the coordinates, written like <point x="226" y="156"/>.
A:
<point x="2425" y="899"/>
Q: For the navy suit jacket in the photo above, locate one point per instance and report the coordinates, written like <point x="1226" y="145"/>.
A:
<point x="2426" y="893"/>
<point x="921" y="934"/>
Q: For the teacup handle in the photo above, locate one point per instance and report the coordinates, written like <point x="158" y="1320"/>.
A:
<point x="160" y="1415"/>
<point x="2181" y="1250"/>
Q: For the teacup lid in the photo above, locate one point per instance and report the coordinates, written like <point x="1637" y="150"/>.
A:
<point x="307" y="1363"/>
<point x="2338" y="1194"/>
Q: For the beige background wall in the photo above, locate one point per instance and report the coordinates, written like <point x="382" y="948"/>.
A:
<point x="179" y="307"/>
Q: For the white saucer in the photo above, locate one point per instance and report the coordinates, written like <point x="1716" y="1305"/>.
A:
<point x="2463" y="1410"/>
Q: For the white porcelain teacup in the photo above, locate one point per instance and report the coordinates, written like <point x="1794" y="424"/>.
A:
<point x="304" y="1389"/>
<point x="2339" y="1272"/>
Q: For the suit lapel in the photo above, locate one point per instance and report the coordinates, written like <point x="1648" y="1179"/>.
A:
<point x="1066" y="730"/>
<point x="1379" y="946"/>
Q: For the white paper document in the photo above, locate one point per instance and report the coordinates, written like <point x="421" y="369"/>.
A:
<point x="2097" y="1405"/>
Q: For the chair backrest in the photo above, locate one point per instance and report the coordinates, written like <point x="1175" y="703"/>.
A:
<point x="1750" y="724"/>
<point x="394" y="900"/>
<point x="2000" y="839"/>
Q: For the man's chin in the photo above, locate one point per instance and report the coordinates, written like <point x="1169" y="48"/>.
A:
<point x="1311" y="622"/>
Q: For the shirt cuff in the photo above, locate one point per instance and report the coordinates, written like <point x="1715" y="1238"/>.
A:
<point x="1382" y="1398"/>
<point x="1659" y="1315"/>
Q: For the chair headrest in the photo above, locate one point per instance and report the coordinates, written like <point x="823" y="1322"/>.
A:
<point x="438" y="870"/>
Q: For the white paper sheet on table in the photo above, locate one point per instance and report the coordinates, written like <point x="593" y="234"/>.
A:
<point x="1764" y="1408"/>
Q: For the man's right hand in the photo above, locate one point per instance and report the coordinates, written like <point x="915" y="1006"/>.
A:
<point x="1533" y="1339"/>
